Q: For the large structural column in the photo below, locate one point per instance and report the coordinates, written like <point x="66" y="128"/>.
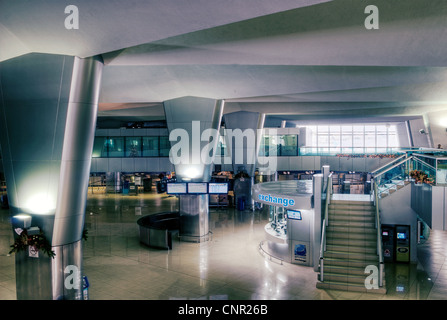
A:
<point x="243" y="142"/>
<point x="193" y="125"/>
<point x="48" y="106"/>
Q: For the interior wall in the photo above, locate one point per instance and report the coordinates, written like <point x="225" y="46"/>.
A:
<point x="438" y="127"/>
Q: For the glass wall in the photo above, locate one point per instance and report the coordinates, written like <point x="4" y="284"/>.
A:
<point x="279" y="145"/>
<point x="131" y="147"/>
<point x="351" y="139"/>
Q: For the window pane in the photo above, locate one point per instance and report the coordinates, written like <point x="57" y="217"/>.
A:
<point x="133" y="147"/>
<point x="100" y="148"/>
<point x="116" y="146"/>
<point x="165" y="146"/>
<point x="323" y="141"/>
<point x="150" y="147"/>
<point x="358" y="140"/>
<point x="346" y="129"/>
<point x="289" y="145"/>
<point x="346" y="140"/>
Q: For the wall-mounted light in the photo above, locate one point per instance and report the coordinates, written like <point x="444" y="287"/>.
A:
<point x="22" y="221"/>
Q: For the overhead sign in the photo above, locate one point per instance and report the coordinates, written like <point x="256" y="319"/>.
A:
<point x="176" y="188"/>
<point x="197" y="187"/>
<point x="218" y="188"/>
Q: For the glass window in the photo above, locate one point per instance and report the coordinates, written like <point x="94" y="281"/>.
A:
<point x="99" y="148"/>
<point x="133" y="147"/>
<point x="289" y="145"/>
<point x="222" y="147"/>
<point x="165" y="146"/>
<point x="115" y="146"/>
<point x="356" y="138"/>
<point x="150" y="146"/>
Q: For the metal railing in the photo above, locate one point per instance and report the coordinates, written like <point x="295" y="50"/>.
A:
<point x="379" y="235"/>
<point x="265" y="253"/>
<point x="325" y="225"/>
<point x="386" y="166"/>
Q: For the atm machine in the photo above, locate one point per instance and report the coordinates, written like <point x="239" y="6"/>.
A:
<point x="388" y="243"/>
<point x="402" y="243"/>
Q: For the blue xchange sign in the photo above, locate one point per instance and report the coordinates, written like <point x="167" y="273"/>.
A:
<point x="277" y="200"/>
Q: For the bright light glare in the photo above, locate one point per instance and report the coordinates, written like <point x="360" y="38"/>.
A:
<point x="192" y="173"/>
<point x="40" y="204"/>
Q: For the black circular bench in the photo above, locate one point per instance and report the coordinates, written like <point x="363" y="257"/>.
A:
<point x="157" y="230"/>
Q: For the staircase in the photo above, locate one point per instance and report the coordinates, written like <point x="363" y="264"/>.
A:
<point x="351" y="245"/>
<point x="392" y="186"/>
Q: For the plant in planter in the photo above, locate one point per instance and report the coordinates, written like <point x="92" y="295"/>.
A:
<point x="36" y="241"/>
<point x="420" y="177"/>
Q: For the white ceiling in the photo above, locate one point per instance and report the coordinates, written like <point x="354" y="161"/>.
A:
<point x="292" y="59"/>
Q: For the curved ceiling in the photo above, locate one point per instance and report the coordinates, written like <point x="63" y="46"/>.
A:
<point x="291" y="59"/>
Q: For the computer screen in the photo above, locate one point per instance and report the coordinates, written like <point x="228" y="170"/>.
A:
<point x="218" y="187"/>
<point x="295" y="215"/>
<point x="401" y="235"/>
<point x="176" y="188"/>
<point x="197" y="187"/>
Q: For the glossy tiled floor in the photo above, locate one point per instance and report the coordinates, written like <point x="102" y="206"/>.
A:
<point x="227" y="267"/>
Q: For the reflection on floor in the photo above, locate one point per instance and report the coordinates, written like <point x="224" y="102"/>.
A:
<point x="227" y="267"/>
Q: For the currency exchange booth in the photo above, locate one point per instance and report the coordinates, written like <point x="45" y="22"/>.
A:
<point x="289" y="234"/>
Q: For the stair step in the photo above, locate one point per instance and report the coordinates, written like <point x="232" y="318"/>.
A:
<point x="344" y="223"/>
<point x="348" y="207"/>
<point x="348" y="217"/>
<point x="348" y="263"/>
<point x="354" y="214"/>
<point x="351" y="202"/>
<point x="351" y="242"/>
<point x="351" y="249"/>
<point x="332" y="285"/>
<point x="345" y="278"/>
<point x="351" y="229"/>
<point x="358" y="236"/>
<point x="351" y="255"/>
<point x="346" y="270"/>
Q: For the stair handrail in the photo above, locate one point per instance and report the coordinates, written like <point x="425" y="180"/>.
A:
<point x="379" y="235"/>
<point x="392" y="167"/>
<point x="324" y="225"/>
<point x="415" y="157"/>
<point x="387" y="164"/>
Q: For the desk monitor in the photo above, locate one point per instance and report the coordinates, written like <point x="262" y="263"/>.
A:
<point x="218" y="187"/>
<point x="197" y="187"/>
<point x="176" y="188"/>
<point x="294" y="215"/>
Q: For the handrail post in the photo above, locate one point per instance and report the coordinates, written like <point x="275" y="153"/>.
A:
<point x="325" y="224"/>
<point x="379" y="238"/>
<point x="321" y="269"/>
